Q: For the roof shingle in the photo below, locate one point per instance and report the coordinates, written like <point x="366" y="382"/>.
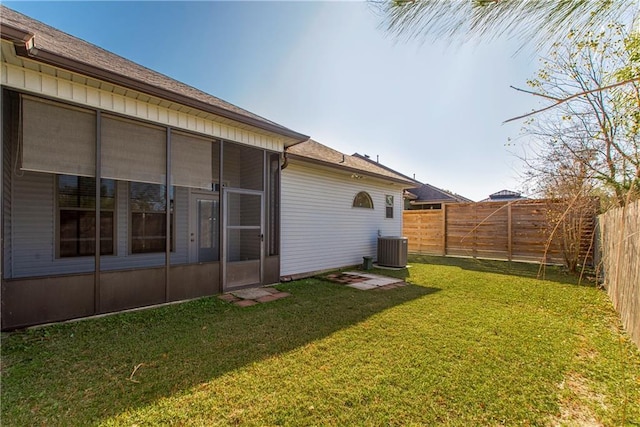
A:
<point x="317" y="152"/>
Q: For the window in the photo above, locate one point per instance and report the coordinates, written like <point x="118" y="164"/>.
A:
<point x="77" y="216"/>
<point x="388" y="201"/>
<point x="363" y="200"/>
<point x="148" y="207"/>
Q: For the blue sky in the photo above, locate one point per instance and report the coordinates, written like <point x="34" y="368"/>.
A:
<point x="328" y="70"/>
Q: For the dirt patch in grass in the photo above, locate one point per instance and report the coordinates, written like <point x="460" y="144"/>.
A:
<point x="573" y="410"/>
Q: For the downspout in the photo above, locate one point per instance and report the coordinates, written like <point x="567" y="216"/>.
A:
<point x="285" y="161"/>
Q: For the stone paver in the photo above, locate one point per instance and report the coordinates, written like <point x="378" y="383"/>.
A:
<point x="281" y="294"/>
<point x="227" y="298"/>
<point x="251" y="293"/>
<point x="245" y="303"/>
<point x="273" y="297"/>
<point x="253" y="296"/>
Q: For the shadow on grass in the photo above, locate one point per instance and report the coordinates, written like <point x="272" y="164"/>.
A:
<point x="512" y="268"/>
<point x="95" y="369"/>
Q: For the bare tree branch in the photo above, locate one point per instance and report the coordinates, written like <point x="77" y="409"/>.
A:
<point x="569" y="98"/>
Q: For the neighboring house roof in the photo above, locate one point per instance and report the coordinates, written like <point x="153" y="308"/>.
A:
<point x="409" y="195"/>
<point x="38" y="41"/>
<point x="427" y="193"/>
<point x="504" y="195"/>
<point x="315" y="152"/>
<point x="420" y="192"/>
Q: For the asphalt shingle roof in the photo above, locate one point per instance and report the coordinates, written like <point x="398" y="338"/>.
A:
<point x="429" y="193"/>
<point x="319" y="153"/>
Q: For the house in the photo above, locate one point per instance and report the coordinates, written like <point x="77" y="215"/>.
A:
<point x="427" y="196"/>
<point x="193" y="196"/>
<point x="504" y="196"/>
<point x="334" y="207"/>
<point x="185" y="187"/>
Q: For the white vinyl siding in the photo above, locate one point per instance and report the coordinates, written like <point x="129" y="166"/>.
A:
<point x="320" y="228"/>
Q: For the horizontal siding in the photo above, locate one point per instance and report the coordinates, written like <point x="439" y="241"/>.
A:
<point x="65" y="86"/>
<point x="320" y="228"/>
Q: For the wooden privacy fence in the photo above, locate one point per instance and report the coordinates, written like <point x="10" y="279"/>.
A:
<point x="517" y="231"/>
<point x="620" y="245"/>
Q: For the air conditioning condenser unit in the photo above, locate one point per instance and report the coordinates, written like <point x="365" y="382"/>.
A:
<point x="392" y="251"/>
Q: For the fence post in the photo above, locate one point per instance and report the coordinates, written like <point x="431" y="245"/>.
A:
<point x="509" y="233"/>
<point x="444" y="229"/>
<point x="475" y="231"/>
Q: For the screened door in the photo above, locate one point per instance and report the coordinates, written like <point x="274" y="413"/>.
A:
<point x="244" y="238"/>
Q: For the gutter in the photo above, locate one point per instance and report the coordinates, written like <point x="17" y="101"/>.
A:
<point x="25" y="47"/>
<point x="15" y="34"/>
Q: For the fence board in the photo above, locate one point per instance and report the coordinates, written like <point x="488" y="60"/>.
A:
<point x="620" y="244"/>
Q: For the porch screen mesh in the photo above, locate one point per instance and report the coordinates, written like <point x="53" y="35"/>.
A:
<point x="191" y="159"/>
<point x="133" y="151"/>
<point x="57" y="138"/>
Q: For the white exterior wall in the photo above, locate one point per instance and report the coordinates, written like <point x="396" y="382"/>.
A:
<point x="320" y="228"/>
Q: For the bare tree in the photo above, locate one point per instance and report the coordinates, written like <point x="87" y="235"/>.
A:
<point x="593" y="139"/>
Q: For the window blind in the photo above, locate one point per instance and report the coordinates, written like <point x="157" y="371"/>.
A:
<point x="191" y="160"/>
<point x="57" y="138"/>
<point x="133" y="151"/>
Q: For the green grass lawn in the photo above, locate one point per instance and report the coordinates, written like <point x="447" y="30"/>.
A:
<point x="467" y="343"/>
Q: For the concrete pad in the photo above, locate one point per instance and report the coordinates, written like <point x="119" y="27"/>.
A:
<point x="363" y="286"/>
<point x="381" y="281"/>
<point x="367" y="275"/>
<point x="374" y="276"/>
<point x="353" y="273"/>
<point x="251" y="293"/>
